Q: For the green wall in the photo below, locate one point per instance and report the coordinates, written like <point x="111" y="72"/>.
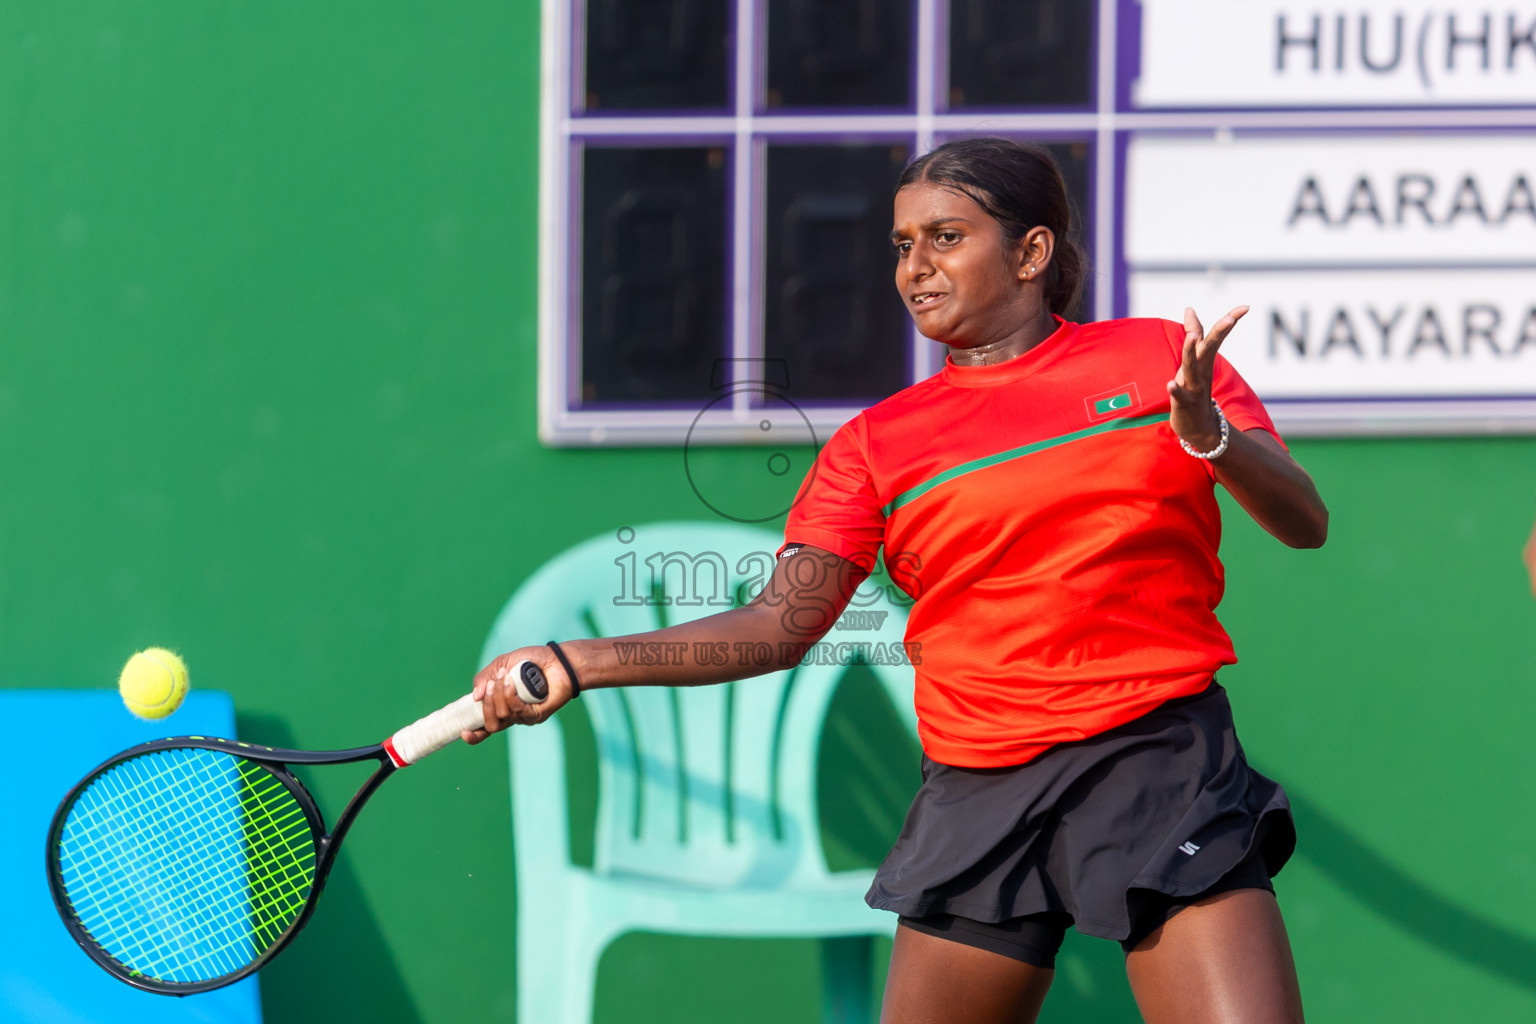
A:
<point x="267" y="355"/>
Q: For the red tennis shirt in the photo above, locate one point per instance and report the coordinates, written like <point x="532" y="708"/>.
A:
<point x="1060" y="547"/>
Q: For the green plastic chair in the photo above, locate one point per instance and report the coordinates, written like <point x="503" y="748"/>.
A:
<point x="706" y="813"/>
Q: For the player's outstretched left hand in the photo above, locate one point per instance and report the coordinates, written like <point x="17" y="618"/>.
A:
<point x="1193" y="417"/>
<point x="497" y="692"/>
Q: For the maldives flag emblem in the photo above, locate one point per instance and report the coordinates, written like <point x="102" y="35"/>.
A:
<point x="1114" y="402"/>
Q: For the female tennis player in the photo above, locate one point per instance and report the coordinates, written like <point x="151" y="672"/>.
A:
<point x="1051" y="495"/>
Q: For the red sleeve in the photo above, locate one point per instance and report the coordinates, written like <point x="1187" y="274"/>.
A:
<point x="1239" y="404"/>
<point x="837" y="508"/>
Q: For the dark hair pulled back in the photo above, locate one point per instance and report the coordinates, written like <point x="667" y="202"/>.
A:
<point x="1020" y="187"/>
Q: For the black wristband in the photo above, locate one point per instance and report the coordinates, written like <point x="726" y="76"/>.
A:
<point x="569" y="671"/>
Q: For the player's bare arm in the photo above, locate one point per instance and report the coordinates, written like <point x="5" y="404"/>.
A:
<point x="1255" y="468"/>
<point x="1530" y="559"/>
<point x="799" y="604"/>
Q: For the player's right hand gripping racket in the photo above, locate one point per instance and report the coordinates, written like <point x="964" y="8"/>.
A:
<point x="184" y="864"/>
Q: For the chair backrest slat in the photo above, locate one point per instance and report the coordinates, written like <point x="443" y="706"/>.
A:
<point x="703" y="714"/>
<point x="757" y="818"/>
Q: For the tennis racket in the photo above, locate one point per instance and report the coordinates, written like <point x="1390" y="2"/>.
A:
<point x="184" y="864"/>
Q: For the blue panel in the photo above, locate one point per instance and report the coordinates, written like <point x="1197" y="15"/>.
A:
<point x="57" y="736"/>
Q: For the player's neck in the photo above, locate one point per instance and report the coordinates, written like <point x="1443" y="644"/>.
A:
<point x="1010" y="346"/>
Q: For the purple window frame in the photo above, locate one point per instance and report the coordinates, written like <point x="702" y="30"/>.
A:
<point x="745" y="129"/>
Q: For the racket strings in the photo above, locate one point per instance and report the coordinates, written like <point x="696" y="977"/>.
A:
<point x="281" y="872"/>
<point x="181" y="920"/>
<point x="119" y="882"/>
<point x="210" y="929"/>
<point x="187" y="864"/>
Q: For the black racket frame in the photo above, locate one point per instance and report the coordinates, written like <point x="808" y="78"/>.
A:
<point x="275" y="761"/>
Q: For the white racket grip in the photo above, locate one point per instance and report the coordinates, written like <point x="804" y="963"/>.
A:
<point x="430" y="734"/>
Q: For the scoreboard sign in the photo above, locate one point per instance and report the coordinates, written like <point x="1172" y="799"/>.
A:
<point x="1376" y="53"/>
<point x="716" y="179"/>
<point x="1364" y="177"/>
<point x="1379" y="267"/>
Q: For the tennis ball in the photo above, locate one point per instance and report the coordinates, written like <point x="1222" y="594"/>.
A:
<point x="153" y="683"/>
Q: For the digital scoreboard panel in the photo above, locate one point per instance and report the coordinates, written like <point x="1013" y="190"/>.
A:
<point x="716" y="178"/>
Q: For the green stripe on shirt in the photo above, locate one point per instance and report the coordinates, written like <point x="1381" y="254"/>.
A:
<point x="906" y="497"/>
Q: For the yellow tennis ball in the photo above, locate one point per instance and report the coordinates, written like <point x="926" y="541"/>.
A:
<point x="153" y="683"/>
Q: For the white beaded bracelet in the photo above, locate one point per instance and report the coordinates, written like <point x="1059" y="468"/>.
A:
<point x="1216" y="452"/>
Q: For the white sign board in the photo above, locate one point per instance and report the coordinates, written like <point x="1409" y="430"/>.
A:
<point x="1375" y="333"/>
<point x="1391" y="278"/>
<point x="1438" y="198"/>
<point x="1242" y="53"/>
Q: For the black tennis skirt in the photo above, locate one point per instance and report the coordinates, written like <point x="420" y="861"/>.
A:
<point x="1164" y="804"/>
